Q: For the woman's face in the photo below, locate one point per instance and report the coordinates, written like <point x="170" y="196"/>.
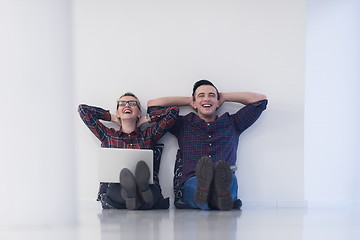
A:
<point x="128" y="108"/>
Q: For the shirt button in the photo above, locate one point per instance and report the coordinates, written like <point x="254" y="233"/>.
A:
<point x="208" y="124"/>
<point x="209" y="156"/>
<point x="209" y="136"/>
<point x="210" y="144"/>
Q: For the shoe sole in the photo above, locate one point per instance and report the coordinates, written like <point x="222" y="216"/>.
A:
<point x="127" y="182"/>
<point x="222" y="181"/>
<point x="204" y="175"/>
<point x="142" y="176"/>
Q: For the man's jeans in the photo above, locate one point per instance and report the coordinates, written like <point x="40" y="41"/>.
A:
<point x="190" y="186"/>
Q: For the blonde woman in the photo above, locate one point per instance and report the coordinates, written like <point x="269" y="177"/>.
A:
<point x="134" y="192"/>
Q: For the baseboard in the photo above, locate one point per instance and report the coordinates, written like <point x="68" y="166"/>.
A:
<point x="333" y="204"/>
<point x="91" y="203"/>
<point x="275" y="204"/>
<point x="88" y="203"/>
<point x="302" y="204"/>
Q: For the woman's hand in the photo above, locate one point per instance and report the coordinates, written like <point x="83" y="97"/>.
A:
<point x="115" y="119"/>
<point x="142" y="120"/>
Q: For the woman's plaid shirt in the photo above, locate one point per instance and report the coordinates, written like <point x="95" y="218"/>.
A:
<point x="110" y="138"/>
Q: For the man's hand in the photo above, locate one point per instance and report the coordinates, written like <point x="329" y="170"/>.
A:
<point x="221" y="100"/>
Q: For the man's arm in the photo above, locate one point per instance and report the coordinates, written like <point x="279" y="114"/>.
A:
<point x="170" y="101"/>
<point x="241" y="97"/>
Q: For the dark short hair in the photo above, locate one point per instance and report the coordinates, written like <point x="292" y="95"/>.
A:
<point x="131" y="95"/>
<point x="204" y="82"/>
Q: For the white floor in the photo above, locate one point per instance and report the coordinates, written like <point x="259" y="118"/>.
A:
<point x="250" y="223"/>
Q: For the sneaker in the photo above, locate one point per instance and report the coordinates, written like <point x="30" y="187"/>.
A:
<point x="222" y="182"/>
<point x="142" y="176"/>
<point x="127" y="182"/>
<point x="204" y="174"/>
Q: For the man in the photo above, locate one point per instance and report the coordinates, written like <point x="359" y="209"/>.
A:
<point x="208" y="145"/>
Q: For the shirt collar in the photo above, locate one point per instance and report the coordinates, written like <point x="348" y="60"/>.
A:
<point x="136" y="132"/>
<point x="196" y="119"/>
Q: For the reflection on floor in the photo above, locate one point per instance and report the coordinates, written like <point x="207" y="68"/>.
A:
<point x="250" y="223"/>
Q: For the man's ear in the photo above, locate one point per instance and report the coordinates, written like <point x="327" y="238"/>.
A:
<point x="193" y="105"/>
<point x="218" y="105"/>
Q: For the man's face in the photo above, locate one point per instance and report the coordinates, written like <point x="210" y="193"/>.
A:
<point x="128" y="108"/>
<point x="206" y="101"/>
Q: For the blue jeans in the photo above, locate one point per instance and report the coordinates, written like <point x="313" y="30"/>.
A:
<point x="191" y="185"/>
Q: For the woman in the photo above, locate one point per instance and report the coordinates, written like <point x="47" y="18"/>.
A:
<point x="134" y="192"/>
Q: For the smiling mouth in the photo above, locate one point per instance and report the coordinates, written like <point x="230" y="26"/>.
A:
<point x="127" y="111"/>
<point x="206" y="105"/>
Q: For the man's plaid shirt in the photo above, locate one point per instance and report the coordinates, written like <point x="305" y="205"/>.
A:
<point x="218" y="140"/>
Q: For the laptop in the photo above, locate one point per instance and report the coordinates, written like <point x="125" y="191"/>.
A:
<point x="112" y="160"/>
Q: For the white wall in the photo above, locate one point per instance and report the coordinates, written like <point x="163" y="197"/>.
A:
<point x="37" y="174"/>
<point x="159" y="48"/>
<point x="332" y="116"/>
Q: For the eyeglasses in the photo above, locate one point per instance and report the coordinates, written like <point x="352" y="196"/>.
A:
<point x="131" y="103"/>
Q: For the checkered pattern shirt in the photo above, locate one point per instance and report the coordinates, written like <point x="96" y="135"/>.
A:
<point x="218" y="140"/>
<point x="110" y="138"/>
